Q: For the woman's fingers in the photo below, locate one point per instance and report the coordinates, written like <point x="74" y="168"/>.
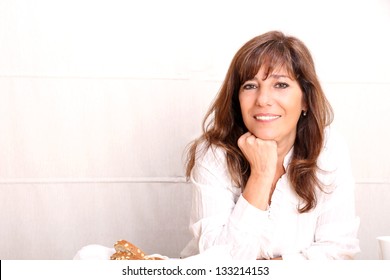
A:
<point x="261" y="154"/>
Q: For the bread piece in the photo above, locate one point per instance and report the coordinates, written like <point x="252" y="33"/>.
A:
<point x="128" y="251"/>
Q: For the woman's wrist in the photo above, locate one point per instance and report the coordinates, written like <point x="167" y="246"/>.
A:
<point x="257" y="191"/>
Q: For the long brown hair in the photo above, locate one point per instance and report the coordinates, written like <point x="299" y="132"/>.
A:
<point x="223" y="124"/>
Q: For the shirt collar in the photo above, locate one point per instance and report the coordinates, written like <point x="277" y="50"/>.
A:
<point x="287" y="158"/>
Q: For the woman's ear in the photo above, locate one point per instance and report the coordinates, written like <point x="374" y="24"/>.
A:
<point x="304" y="104"/>
<point x="304" y="108"/>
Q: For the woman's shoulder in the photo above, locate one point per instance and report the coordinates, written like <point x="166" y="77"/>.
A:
<point x="207" y="153"/>
<point x="335" y="168"/>
<point x="334" y="140"/>
<point x="211" y="168"/>
<point x="335" y="150"/>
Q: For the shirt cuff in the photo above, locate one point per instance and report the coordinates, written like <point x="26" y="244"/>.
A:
<point x="247" y="217"/>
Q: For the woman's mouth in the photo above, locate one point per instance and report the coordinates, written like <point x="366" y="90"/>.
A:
<point x="267" y="117"/>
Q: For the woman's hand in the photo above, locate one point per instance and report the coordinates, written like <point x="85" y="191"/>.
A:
<point x="262" y="156"/>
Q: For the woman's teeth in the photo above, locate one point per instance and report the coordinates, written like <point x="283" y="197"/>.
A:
<point x="266" y="118"/>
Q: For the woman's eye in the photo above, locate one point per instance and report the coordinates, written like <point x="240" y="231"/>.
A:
<point x="281" y="85"/>
<point x="249" y="86"/>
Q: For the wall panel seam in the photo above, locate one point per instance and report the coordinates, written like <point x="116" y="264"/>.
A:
<point x="118" y="180"/>
<point x="130" y="180"/>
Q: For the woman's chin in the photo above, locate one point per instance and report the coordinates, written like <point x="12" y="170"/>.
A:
<point x="264" y="136"/>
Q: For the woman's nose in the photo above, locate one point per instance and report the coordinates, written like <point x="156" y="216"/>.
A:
<point x="263" y="97"/>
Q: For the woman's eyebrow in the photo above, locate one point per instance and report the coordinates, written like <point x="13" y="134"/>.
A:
<point x="273" y="76"/>
<point x="277" y="76"/>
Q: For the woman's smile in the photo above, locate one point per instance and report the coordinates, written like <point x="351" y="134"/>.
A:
<point x="266" y="117"/>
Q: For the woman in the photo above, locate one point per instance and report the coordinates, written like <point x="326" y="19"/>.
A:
<point x="271" y="179"/>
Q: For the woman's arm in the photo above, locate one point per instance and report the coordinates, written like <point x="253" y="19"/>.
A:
<point x="262" y="157"/>
<point x="220" y="215"/>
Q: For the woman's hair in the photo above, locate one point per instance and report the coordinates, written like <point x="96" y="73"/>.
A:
<point x="223" y="123"/>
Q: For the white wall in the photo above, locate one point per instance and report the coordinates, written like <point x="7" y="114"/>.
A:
<point x="98" y="100"/>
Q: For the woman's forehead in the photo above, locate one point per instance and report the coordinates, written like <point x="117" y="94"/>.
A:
<point x="266" y="70"/>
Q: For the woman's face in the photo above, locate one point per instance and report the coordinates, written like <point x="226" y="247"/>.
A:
<point x="271" y="106"/>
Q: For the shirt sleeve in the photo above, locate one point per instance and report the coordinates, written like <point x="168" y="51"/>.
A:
<point x="337" y="224"/>
<point x="220" y="216"/>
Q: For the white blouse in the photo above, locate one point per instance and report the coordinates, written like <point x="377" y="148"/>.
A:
<point x="221" y="216"/>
